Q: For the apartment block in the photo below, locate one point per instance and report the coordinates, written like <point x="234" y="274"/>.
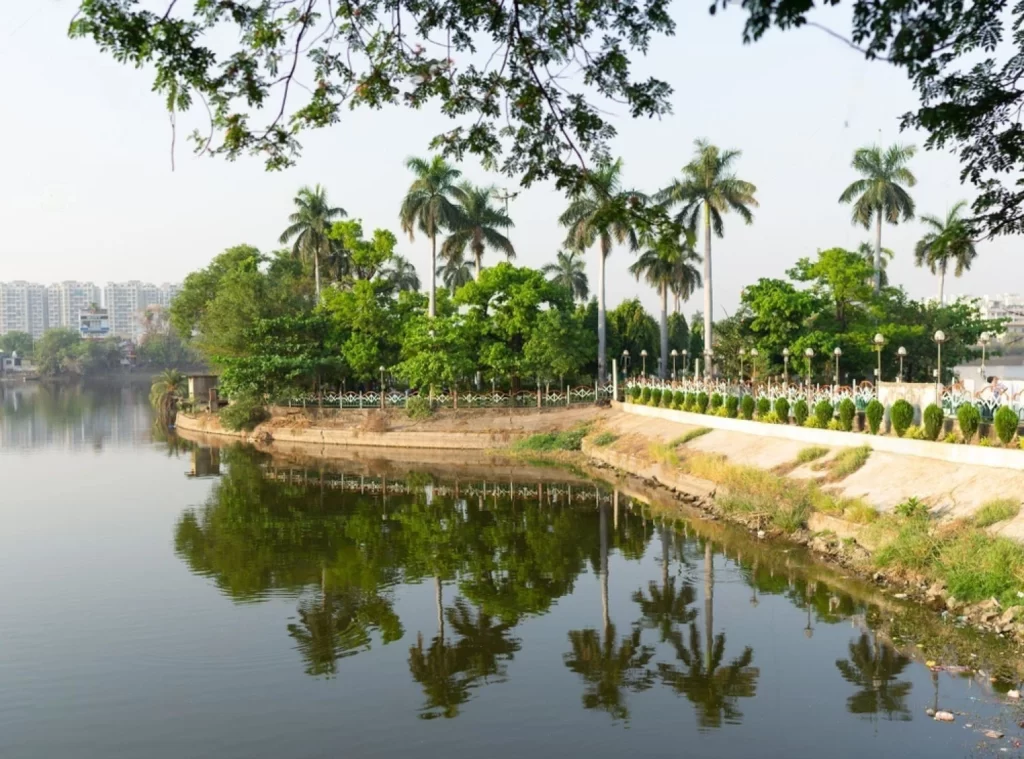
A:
<point x="23" y="308"/>
<point x="126" y="301"/>
<point x="66" y="300"/>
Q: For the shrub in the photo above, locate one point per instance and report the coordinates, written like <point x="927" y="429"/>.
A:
<point x="969" y="419"/>
<point x="605" y="438"/>
<point x="689" y="402"/>
<point x="835" y="425"/>
<point x="985" y="442"/>
<point x="812" y="423"/>
<point x="800" y="412"/>
<point x="243" y="413"/>
<point x="716" y="401"/>
<point x="912" y="508"/>
<point x="634" y="393"/>
<point x="914" y="433"/>
<point x="902" y="415"/>
<point x="874" y="412"/>
<point x="732" y="406"/>
<point x="667" y="397"/>
<point x="933" y="419"/>
<point x="764" y="407"/>
<point x="645" y="395"/>
<point x="823" y="412"/>
<point x="418" y="407"/>
<point x="769" y="418"/>
<point x="678" y="399"/>
<point x="655" y="397"/>
<point x="570" y="440"/>
<point x="951" y="438"/>
<point x="995" y="511"/>
<point x="702" y="402"/>
<point x="1006" y="421"/>
<point x="782" y="410"/>
<point x="747" y="407"/>
<point x="721" y="411"/>
<point x="847" y="411"/>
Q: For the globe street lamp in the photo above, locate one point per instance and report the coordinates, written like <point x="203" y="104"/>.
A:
<point x="753" y="365"/>
<point x="879" y="342"/>
<point x="675" y="353"/>
<point x="742" y="354"/>
<point x="837" y="352"/>
<point x="940" y="338"/>
<point x="643" y="357"/>
<point x="686" y="361"/>
<point x="381" y="367"/>
<point x="625" y="362"/>
<point x="985" y="337"/>
<point x="785" y="366"/>
<point x="902" y="353"/>
<point x="809" y="353"/>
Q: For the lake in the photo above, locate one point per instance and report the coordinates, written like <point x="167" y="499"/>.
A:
<point x="165" y="599"/>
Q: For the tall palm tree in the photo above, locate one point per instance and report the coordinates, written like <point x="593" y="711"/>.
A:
<point x="667" y="265"/>
<point x="867" y="251"/>
<point x="309" y="227"/>
<point x="478" y="225"/>
<point x="948" y="241"/>
<point x="455" y="273"/>
<point x="599" y="212"/>
<point x="570" y="272"/>
<point x="431" y="205"/>
<point x="401" y="274"/>
<point x="707" y="190"/>
<point x="167" y="389"/>
<point x="880" y="193"/>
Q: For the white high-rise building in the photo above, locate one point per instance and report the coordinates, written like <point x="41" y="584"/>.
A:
<point x="126" y="301"/>
<point x="1006" y="306"/>
<point x="23" y="308"/>
<point x="66" y="300"/>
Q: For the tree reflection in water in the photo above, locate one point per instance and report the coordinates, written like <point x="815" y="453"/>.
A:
<point x="873" y="667"/>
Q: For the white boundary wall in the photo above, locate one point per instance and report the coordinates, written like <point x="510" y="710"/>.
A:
<point x="977" y="455"/>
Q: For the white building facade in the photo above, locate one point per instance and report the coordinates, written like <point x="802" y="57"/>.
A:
<point x="66" y="300"/>
<point x="126" y="301"/>
<point x="23" y="308"/>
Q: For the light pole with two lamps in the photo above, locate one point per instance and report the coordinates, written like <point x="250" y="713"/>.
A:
<point x="785" y="366"/>
<point x="940" y="338"/>
<point x="625" y="362"/>
<point x="753" y="366"/>
<point x="809" y="354"/>
<point x="643" y="357"/>
<point x="837" y="352"/>
<point x="902" y="353"/>
<point x="879" y="342"/>
<point x="675" y="354"/>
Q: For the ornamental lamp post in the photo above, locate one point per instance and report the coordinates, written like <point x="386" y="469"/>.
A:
<point x="879" y="342"/>
<point x="675" y="353"/>
<point x="785" y="366"/>
<point x="753" y="366"/>
<point x="985" y="337"/>
<point x="625" y="362"/>
<point x="643" y="357"/>
<point x="809" y="353"/>
<point x="686" y="361"/>
<point x="902" y="353"/>
<point x="940" y="338"/>
<point x="742" y="354"/>
<point x="381" y="367"/>
<point x="837" y="352"/>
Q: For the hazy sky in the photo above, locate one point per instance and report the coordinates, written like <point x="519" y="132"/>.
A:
<point x="87" y="191"/>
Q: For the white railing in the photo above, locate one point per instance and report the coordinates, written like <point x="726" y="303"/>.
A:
<point x="540" y="398"/>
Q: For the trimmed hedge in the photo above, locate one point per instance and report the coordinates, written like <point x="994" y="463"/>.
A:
<point x="874" y="412"/>
<point x="702" y="402"/>
<point x="1006" y="422"/>
<point x="902" y="415"/>
<point x="782" y="410"/>
<point x="823" y="411"/>
<point x="732" y="406"/>
<point x="800" y="412"/>
<point x="764" y="407"/>
<point x="969" y="419"/>
<point x="847" y="411"/>
<point x="933" y="419"/>
<point x="747" y="406"/>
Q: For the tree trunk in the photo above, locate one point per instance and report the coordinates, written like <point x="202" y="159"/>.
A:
<point x="878" y="252"/>
<point x="601" y="373"/>
<point x="478" y="251"/>
<point x="942" y="281"/>
<point x="316" y="273"/>
<point x="707" y="290"/>
<point x="433" y="272"/>
<point x="606" y="620"/>
<point x="664" y="331"/>
<point x="709" y="602"/>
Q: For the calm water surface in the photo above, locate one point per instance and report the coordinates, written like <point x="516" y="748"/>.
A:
<point x="163" y="600"/>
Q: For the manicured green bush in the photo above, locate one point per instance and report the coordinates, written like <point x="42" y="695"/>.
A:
<point x="732" y="406"/>
<point x="747" y="406"/>
<point x="666" y="398"/>
<point x="823" y="411"/>
<point x="702" y="402"/>
<point x="933" y="419"/>
<point x="678" y="399"/>
<point x="634" y="393"/>
<point x="969" y="419"/>
<point x="655" y="397"/>
<point x="690" y="402"/>
<point x="1006" y="422"/>
<point x="782" y="410"/>
<point x="847" y="411"/>
<point x="645" y="395"/>
<point x="902" y="415"/>
<point x="716" y="401"/>
<point x="800" y="412"/>
<point x="764" y="407"/>
<point x="874" y="412"/>
<point x="243" y="413"/>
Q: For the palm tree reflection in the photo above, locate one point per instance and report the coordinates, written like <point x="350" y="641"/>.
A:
<point x="873" y="667"/>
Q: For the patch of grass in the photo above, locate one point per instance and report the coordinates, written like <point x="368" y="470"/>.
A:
<point x="998" y="510"/>
<point x="688" y="436"/>
<point x="811" y="453"/>
<point x="913" y="547"/>
<point x="860" y="512"/>
<point x="663" y="454"/>
<point x="845" y="463"/>
<point x="605" y="439"/>
<point x="569" y="440"/>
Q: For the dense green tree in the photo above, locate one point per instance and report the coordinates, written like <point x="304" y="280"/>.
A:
<point x="946" y="243"/>
<point x="707" y="190"/>
<point x="436" y="353"/>
<point x="58" y="351"/>
<point x="880" y="193"/>
<point x="477" y="225"/>
<point x="634" y="330"/>
<point x="309" y="226"/>
<point x="200" y="287"/>
<point x="365" y="259"/>
<point x="570" y="272"/>
<point x="600" y="212"/>
<point x="16" y="342"/>
<point x="837" y="277"/>
<point x="431" y="205"/>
